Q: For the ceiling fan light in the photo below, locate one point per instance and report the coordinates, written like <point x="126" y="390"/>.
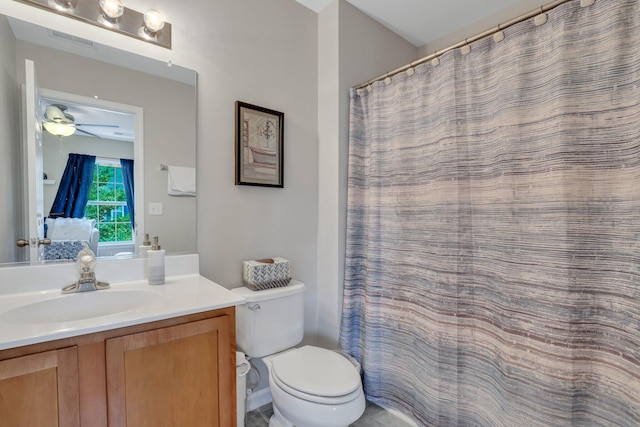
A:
<point x="60" y="129"/>
<point x="112" y="9"/>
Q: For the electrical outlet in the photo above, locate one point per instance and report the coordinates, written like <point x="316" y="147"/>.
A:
<point x="155" y="208"/>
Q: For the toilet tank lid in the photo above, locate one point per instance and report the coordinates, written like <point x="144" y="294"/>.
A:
<point x="294" y="287"/>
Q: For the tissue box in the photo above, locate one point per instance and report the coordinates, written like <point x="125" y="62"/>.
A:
<point x="266" y="273"/>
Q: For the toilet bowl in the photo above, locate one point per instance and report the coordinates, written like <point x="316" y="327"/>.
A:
<point x="314" y="387"/>
<point x="310" y="386"/>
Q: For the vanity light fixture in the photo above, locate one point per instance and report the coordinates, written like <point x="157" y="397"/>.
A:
<point x="150" y="27"/>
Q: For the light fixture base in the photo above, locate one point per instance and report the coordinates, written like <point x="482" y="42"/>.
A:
<point x="89" y="11"/>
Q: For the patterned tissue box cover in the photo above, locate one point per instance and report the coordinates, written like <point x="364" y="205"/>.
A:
<point x="63" y="249"/>
<point x="266" y="273"/>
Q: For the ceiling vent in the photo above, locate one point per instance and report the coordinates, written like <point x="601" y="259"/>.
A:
<point x="59" y="35"/>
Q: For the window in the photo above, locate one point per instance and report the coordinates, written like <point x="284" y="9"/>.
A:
<point x="108" y="202"/>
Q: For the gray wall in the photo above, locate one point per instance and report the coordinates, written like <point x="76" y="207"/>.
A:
<point x="11" y="220"/>
<point x="263" y="53"/>
<point x="169" y="128"/>
<point x="352" y="49"/>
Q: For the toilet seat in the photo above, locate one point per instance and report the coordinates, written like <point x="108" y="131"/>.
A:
<point x="317" y="375"/>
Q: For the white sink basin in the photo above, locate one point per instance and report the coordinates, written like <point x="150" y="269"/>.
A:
<point x="83" y="305"/>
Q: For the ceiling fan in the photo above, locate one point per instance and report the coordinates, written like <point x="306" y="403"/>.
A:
<point x="60" y="123"/>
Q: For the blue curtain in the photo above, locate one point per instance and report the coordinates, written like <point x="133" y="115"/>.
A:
<point x="127" y="177"/>
<point x="492" y="273"/>
<point x="75" y="185"/>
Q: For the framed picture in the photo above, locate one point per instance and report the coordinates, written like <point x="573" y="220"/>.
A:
<point x="259" y="146"/>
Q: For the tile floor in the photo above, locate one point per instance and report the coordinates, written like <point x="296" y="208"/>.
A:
<point x="374" y="416"/>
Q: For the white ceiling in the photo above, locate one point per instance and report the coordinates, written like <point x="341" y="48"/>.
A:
<point x="423" y="21"/>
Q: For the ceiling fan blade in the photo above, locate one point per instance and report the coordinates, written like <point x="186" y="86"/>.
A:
<point x="88" y="133"/>
<point x="97" y="125"/>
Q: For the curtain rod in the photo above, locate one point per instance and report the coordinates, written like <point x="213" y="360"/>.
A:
<point x="109" y="158"/>
<point x="500" y="27"/>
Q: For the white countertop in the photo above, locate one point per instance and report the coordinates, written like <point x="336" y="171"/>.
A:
<point x="180" y="295"/>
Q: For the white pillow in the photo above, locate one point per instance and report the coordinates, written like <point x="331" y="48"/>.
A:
<point x="72" y="229"/>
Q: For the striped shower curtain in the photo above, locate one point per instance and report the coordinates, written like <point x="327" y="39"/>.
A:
<point x="493" y="234"/>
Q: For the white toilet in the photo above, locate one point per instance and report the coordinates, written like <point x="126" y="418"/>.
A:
<point x="310" y="386"/>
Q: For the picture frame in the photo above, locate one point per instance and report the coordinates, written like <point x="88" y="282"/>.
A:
<point x="259" y="146"/>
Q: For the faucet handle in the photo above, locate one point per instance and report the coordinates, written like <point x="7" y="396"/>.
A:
<point x="86" y="260"/>
<point x="86" y="263"/>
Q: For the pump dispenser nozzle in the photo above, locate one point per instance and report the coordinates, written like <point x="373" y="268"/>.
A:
<point x="155" y="263"/>
<point x="156" y="245"/>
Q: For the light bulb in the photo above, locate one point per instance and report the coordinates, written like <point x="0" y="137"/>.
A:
<point x="112" y="9"/>
<point x="60" y="129"/>
<point x="153" y="20"/>
<point x="62" y="5"/>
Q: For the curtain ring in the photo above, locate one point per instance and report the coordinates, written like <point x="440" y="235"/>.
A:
<point x="435" y="61"/>
<point x="498" y="36"/>
<point x="411" y="71"/>
<point x="466" y="49"/>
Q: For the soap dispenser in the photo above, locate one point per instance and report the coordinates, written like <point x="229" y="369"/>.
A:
<point x="155" y="263"/>
<point x="145" y="246"/>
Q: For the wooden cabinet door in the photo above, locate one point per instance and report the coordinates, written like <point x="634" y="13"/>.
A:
<point x="176" y="376"/>
<point x="40" y="390"/>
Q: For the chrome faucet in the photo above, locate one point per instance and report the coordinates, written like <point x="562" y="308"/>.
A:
<point x="87" y="282"/>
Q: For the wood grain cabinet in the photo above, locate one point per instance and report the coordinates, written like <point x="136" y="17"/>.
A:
<point x="40" y="390"/>
<point x="175" y="372"/>
<point x="170" y="376"/>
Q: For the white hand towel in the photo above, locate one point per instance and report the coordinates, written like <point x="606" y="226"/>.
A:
<point x="72" y="229"/>
<point x="181" y="181"/>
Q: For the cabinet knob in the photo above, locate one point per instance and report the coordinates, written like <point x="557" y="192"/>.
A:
<point x="254" y="307"/>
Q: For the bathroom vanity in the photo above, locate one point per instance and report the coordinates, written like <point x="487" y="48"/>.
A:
<point x="168" y="359"/>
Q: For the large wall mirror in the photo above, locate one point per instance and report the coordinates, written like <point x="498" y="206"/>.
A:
<point x="126" y="106"/>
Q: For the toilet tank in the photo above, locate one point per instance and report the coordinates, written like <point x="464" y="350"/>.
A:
<point x="271" y="320"/>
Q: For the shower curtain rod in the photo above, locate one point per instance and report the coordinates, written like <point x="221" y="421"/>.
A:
<point x="500" y="27"/>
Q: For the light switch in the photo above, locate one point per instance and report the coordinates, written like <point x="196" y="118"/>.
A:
<point x="155" y="208"/>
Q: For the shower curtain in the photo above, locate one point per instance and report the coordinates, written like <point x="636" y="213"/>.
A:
<point x="492" y="271"/>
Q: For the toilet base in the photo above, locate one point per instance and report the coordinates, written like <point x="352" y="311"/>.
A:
<point x="277" y="420"/>
<point x="301" y="413"/>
